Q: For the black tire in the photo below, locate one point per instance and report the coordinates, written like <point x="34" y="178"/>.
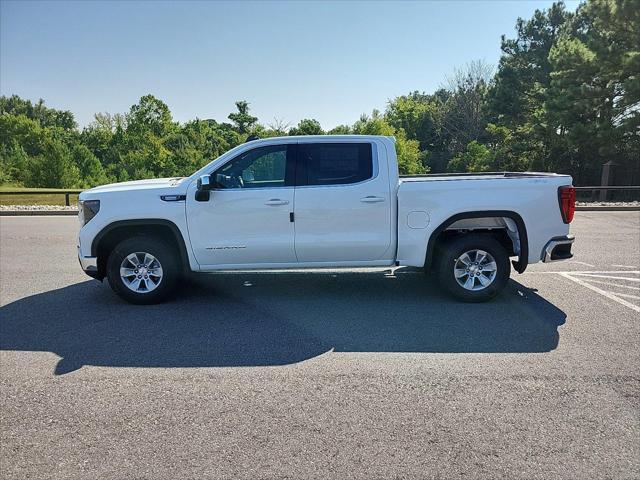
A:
<point x="449" y="254"/>
<point x="167" y="257"/>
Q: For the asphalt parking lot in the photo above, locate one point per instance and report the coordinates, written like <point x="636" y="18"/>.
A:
<point x="329" y="375"/>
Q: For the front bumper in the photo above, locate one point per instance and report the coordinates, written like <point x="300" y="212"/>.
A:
<point x="88" y="264"/>
<point x="558" y="248"/>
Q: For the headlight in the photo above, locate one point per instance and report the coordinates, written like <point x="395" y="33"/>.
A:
<point x="87" y="209"/>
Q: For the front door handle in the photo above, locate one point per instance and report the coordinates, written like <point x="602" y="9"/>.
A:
<point x="276" y="201"/>
<point x="372" y="199"/>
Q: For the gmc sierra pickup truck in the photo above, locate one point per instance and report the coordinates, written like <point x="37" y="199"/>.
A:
<point x="322" y="201"/>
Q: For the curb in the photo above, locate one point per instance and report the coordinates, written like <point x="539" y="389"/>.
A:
<point x="32" y="213"/>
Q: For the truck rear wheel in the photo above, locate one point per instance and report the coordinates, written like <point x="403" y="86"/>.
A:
<point x="474" y="267"/>
<point x="143" y="270"/>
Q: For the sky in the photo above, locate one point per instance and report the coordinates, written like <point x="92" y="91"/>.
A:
<point x="331" y="61"/>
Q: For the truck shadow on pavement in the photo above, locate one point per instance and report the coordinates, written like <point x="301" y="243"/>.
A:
<point x="269" y="319"/>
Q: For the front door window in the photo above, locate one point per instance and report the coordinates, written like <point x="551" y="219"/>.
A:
<point x="264" y="167"/>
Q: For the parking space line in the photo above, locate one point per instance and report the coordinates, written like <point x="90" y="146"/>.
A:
<point x="626" y="295"/>
<point x="612" y="284"/>
<point x="609" y="295"/>
<point x="582" y="263"/>
<point x="591" y="275"/>
<point x="602" y="271"/>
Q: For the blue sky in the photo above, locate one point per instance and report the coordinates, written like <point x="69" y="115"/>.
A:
<point x="326" y="60"/>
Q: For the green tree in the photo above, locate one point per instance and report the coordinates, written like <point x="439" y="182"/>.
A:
<point x="46" y="117"/>
<point x="99" y="135"/>
<point x="54" y="168"/>
<point x="150" y="115"/>
<point x="307" y="127"/>
<point x="340" y="130"/>
<point x="520" y="91"/>
<point x="475" y="158"/>
<point x="407" y="150"/>
<point x="421" y="117"/>
<point x="242" y="120"/>
<point x="90" y="170"/>
<point x="512" y="149"/>
<point x="594" y="95"/>
<point x="523" y="75"/>
<point x="13" y="164"/>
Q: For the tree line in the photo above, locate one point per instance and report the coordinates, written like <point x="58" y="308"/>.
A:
<point x="565" y="97"/>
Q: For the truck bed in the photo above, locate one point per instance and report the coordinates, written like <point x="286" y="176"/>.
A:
<point x="531" y="196"/>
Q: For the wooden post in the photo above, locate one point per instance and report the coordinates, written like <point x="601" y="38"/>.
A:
<point x="607" y="178"/>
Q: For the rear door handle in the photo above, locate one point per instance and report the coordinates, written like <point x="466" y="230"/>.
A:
<point x="372" y="199"/>
<point x="276" y="201"/>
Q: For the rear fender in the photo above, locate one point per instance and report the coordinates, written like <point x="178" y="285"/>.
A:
<point x="513" y="223"/>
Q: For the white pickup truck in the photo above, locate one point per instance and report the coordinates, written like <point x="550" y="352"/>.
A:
<point x="322" y="201"/>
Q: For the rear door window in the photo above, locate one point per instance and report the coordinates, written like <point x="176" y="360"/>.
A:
<point x="334" y="163"/>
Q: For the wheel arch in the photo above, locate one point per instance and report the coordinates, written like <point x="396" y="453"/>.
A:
<point x="115" y="232"/>
<point x="520" y="265"/>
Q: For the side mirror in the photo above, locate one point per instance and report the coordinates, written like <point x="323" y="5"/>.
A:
<point x="203" y="193"/>
<point x="204" y="183"/>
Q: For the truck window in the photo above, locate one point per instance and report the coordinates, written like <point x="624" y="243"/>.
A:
<point x="334" y="163"/>
<point x="264" y="167"/>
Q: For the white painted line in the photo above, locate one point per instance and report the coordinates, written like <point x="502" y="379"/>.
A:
<point x="624" y="266"/>
<point x="583" y="263"/>
<point x="603" y="271"/>
<point x="581" y="272"/>
<point x="614" y="284"/>
<point x="608" y="295"/>
<point x="591" y="275"/>
<point x="626" y="295"/>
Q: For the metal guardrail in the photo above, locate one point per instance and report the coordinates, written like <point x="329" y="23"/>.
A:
<point x="66" y="193"/>
<point x="609" y="193"/>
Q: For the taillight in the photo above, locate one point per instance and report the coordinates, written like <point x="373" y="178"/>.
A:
<point x="567" y="199"/>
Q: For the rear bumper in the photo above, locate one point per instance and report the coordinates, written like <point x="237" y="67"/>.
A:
<point x="558" y="248"/>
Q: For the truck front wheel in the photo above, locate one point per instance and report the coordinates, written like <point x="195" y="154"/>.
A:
<point x="142" y="270"/>
<point x="474" y="267"/>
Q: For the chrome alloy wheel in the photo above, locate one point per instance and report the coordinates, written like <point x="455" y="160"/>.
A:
<point x="141" y="272"/>
<point x="475" y="270"/>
